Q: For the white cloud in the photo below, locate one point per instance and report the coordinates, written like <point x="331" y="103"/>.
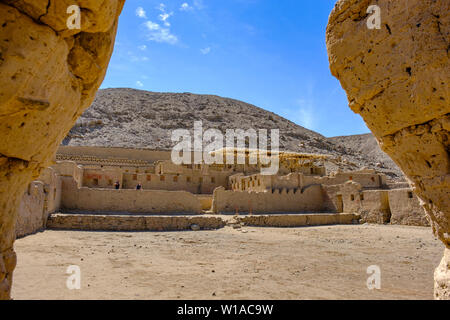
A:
<point x="205" y="50"/>
<point x="164" y="18"/>
<point x="186" y="7"/>
<point x="159" y="34"/>
<point x="143" y="47"/>
<point x="140" y="12"/>
<point x="139" y="84"/>
<point x="152" y="26"/>
<point x="161" y="7"/>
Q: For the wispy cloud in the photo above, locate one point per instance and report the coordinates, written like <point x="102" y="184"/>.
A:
<point x="205" y="50"/>
<point x="304" y="111"/>
<point x="164" y="18"/>
<point x="161" y="7"/>
<point x="143" y="47"/>
<point x="140" y="12"/>
<point x="135" y="58"/>
<point x="306" y="114"/>
<point x="186" y="7"/>
<point x="139" y="84"/>
<point x="161" y="33"/>
<point x="152" y="26"/>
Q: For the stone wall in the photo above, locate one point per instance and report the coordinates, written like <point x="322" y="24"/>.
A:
<point x="131" y="223"/>
<point x="298" y="220"/>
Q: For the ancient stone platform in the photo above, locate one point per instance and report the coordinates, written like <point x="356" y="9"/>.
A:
<point x="111" y="222"/>
<point x="298" y="220"/>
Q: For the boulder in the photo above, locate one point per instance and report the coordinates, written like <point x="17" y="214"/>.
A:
<point x="49" y="76"/>
<point x="397" y="78"/>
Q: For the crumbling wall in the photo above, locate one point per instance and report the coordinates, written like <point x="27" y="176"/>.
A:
<point x="30" y="217"/>
<point x="375" y="207"/>
<point x="298" y="220"/>
<point x="97" y="222"/>
<point x="350" y="195"/>
<point x="42" y="197"/>
<point x="367" y="179"/>
<point x="397" y="78"/>
<point x="132" y="201"/>
<point x="49" y="75"/>
<point x="52" y="189"/>
<point x="406" y="209"/>
<point x="309" y="199"/>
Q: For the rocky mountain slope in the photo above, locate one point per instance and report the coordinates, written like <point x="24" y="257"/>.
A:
<point x="140" y="119"/>
<point x="367" y="146"/>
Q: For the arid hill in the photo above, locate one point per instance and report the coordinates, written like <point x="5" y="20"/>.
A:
<point x="125" y="117"/>
<point x="367" y="146"/>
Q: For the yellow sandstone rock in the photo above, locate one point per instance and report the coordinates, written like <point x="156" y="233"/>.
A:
<point x="397" y="78"/>
<point x="49" y="75"/>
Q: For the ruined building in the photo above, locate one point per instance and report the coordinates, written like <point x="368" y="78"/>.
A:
<point x="83" y="181"/>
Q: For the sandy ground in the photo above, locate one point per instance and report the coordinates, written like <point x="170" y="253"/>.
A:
<point x="328" y="262"/>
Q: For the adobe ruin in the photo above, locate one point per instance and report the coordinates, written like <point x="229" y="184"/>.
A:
<point x="81" y="185"/>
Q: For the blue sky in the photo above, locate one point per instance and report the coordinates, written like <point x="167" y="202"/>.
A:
<point x="268" y="53"/>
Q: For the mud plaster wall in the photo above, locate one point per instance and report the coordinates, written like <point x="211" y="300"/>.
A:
<point x="281" y="200"/>
<point x="42" y="197"/>
<point x="366" y="179"/>
<point x="31" y="215"/>
<point x="133" y="201"/>
<point x="406" y="208"/>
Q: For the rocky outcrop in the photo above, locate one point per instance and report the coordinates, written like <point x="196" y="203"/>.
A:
<point x="442" y="277"/>
<point x="49" y="76"/>
<point x="397" y="79"/>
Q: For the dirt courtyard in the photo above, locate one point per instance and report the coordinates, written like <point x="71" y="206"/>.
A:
<point x="327" y="262"/>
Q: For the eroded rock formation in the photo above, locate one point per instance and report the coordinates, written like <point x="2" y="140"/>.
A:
<point x="49" y="75"/>
<point x="397" y="79"/>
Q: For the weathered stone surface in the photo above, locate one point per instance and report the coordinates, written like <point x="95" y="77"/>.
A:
<point x="442" y="278"/>
<point x="48" y="76"/>
<point x="397" y="79"/>
<point x="405" y="208"/>
<point x="297" y="220"/>
<point x="95" y="222"/>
